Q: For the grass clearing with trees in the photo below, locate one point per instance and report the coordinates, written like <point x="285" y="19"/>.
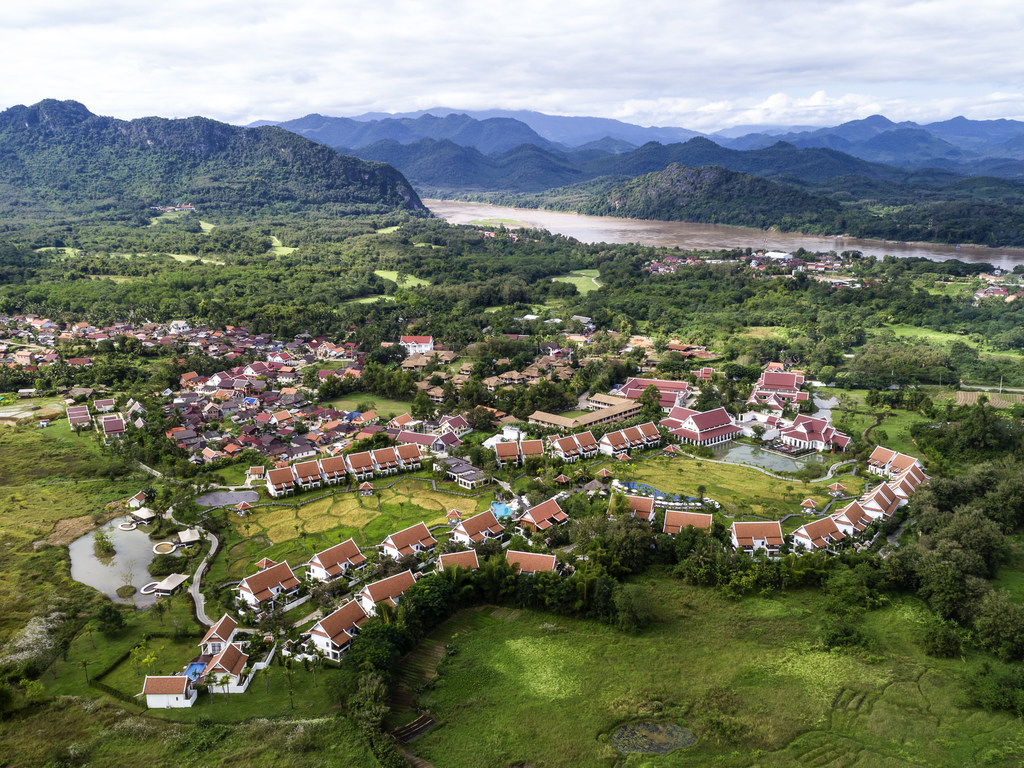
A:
<point x="747" y="677"/>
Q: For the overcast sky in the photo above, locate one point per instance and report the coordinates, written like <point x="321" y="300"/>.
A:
<point x="702" y="65"/>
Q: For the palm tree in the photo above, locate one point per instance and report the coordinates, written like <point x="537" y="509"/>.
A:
<point x="224" y="681"/>
<point x="266" y="678"/>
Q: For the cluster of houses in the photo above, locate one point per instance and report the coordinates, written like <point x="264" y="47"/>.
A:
<point x="275" y="585"/>
<point x="902" y="475"/>
<point x="307" y="475"/>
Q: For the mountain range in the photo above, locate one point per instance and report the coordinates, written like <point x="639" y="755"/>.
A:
<point x="967" y="147"/>
<point x="58" y="158"/>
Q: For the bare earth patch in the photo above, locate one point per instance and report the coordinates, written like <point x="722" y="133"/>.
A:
<point x="66" y="531"/>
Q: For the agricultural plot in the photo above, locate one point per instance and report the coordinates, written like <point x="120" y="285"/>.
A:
<point x="995" y="399"/>
<point x="293" y="533"/>
<point x="746" y="677"/>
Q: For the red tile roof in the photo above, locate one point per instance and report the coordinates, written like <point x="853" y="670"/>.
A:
<point x="530" y="562"/>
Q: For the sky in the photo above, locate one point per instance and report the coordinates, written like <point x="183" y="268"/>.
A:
<point x="706" y="65"/>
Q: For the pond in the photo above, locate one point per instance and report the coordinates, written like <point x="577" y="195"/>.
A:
<point x="227" y="498"/>
<point x="133" y="552"/>
<point x="741" y="453"/>
<point x="652" y="738"/>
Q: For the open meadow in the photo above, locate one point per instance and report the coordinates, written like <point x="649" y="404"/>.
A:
<point x="53" y="483"/>
<point x="744" y="493"/>
<point x="746" y="677"/>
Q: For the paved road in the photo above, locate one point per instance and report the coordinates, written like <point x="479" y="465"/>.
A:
<point x="197" y="581"/>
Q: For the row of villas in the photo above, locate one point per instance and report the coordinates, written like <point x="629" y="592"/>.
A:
<point x="903" y="474"/>
<point x="307" y="475"/>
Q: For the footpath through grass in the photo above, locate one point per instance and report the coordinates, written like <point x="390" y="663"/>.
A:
<point x="747" y="677"/>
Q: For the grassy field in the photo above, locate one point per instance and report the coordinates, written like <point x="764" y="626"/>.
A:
<point x="941" y="339"/>
<point x="50" y="489"/>
<point x="410" y="281"/>
<point x="747" y="677"/>
<point x="742" y="492"/>
<point x="369" y="299"/>
<point x="294" y="533"/>
<point x="386" y="409"/>
<point x="853" y="416"/>
<point x="585" y="280"/>
<point x="279" y="250"/>
<point x="497" y="223"/>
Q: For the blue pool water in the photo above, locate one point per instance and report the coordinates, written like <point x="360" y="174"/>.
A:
<point x="194" y="670"/>
<point x="650" y="490"/>
<point x="500" y="509"/>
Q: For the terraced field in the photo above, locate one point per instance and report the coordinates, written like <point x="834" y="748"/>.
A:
<point x="295" y="531"/>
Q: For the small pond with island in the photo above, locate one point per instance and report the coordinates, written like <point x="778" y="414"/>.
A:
<point x="133" y="552"/>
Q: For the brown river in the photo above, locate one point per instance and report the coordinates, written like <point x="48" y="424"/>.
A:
<point x="609" y="229"/>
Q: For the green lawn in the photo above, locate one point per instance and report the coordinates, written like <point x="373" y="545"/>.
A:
<point x="740" y="490"/>
<point x="369" y="299"/>
<point x="409" y="281"/>
<point x="747" y="677"/>
<point x="385" y="408"/>
<point x="279" y="250"/>
<point x="583" y="279"/>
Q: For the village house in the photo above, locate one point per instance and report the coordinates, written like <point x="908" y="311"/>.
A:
<point x="542" y="516"/>
<point x="280" y="482"/>
<point x="641" y="507"/>
<point x="752" y="536"/>
<point x="417" y="345"/>
<point x="333" y="634"/>
<point x="409" y="541"/>
<point x="701" y="428"/>
<point x="478" y="528"/>
<point x="168" y="692"/>
<point x="814" y="434"/>
<point x="820" y="534"/>
<point x="632" y="438"/>
<point x="517" y="452"/>
<point x="891" y="464"/>
<point x="226" y="669"/>
<point x="462" y="472"/>
<point x="219" y="635"/>
<point x="529" y="563"/>
<point x="387" y="590"/>
<point x="572" y="448"/>
<point x="467" y="559"/>
<point x="336" y="561"/>
<point x="670" y="393"/>
<point x="274" y="581"/>
<point x="677" y="520"/>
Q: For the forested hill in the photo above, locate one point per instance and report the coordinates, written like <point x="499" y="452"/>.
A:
<point x="56" y="157"/>
<point x="711" y="194"/>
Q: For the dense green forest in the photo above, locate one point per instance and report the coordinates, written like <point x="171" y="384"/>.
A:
<point x="60" y="161"/>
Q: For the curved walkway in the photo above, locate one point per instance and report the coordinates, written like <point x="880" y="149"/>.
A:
<point x="197" y="581"/>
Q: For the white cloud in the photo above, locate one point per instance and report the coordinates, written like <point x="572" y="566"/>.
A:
<point x="705" y="66"/>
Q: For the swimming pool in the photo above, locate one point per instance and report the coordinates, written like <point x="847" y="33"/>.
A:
<point x="194" y="670"/>
<point x="649" y="490"/>
<point x="500" y="509"/>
